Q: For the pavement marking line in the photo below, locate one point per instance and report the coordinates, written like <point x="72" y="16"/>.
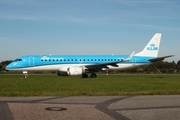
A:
<point x="111" y="112"/>
<point x="45" y="99"/>
<point x="147" y="108"/>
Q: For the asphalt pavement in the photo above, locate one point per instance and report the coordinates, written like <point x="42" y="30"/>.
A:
<point x="157" y="107"/>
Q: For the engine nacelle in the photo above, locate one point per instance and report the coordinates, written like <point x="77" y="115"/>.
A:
<point x="75" y="71"/>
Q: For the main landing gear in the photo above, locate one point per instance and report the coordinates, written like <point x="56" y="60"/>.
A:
<point x="93" y="75"/>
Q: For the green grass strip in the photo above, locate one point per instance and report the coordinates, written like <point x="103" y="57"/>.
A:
<point x="103" y="85"/>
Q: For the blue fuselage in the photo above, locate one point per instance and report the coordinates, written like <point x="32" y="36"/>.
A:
<point x="55" y="63"/>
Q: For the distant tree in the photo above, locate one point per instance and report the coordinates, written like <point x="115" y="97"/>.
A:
<point x="153" y="68"/>
<point x="140" y="70"/>
<point x="1" y="67"/>
<point x="178" y="66"/>
<point x="171" y="70"/>
<point x="3" y="64"/>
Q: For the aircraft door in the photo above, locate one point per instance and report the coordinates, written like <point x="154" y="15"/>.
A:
<point x="134" y="61"/>
<point x="31" y="61"/>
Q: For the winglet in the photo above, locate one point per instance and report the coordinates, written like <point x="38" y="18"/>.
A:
<point x="129" y="58"/>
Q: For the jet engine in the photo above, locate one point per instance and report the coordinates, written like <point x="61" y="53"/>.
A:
<point x="75" y="71"/>
<point x="68" y="71"/>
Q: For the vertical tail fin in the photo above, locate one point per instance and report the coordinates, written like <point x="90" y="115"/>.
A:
<point x="152" y="48"/>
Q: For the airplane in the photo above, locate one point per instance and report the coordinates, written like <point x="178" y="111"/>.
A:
<point x="67" y="65"/>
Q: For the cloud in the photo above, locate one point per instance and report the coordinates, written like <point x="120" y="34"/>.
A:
<point x="74" y="19"/>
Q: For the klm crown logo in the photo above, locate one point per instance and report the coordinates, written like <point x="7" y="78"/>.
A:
<point x="152" y="47"/>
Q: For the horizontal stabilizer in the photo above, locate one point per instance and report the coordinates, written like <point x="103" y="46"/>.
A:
<point x="159" y="58"/>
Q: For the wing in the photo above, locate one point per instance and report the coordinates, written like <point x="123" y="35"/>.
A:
<point x="103" y="66"/>
<point x="159" y="58"/>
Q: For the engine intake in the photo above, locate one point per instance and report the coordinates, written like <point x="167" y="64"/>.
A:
<point x="75" y="71"/>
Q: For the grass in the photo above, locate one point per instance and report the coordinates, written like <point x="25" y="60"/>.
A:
<point x="53" y="85"/>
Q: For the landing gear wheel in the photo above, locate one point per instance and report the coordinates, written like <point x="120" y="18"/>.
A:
<point x="93" y="75"/>
<point x="25" y="74"/>
<point x="84" y="75"/>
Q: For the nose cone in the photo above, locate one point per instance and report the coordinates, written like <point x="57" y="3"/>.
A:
<point x="11" y="66"/>
<point x="14" y="66"/>
<point x="8" y="67"/>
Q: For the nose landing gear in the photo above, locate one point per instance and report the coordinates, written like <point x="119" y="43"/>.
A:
<point x="25" y="74"/>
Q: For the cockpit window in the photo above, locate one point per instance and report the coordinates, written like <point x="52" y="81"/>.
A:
<point x="18" y="60"/>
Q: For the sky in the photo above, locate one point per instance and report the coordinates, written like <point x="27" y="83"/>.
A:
<point x="87" y="27"/>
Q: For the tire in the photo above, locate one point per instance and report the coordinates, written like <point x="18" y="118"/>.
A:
<point x="93" y="75"/>
<point x="84" y="75"/>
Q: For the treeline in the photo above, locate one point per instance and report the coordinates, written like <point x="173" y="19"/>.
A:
<point x="3" y="66"/>
<point x="161" y="67"/>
